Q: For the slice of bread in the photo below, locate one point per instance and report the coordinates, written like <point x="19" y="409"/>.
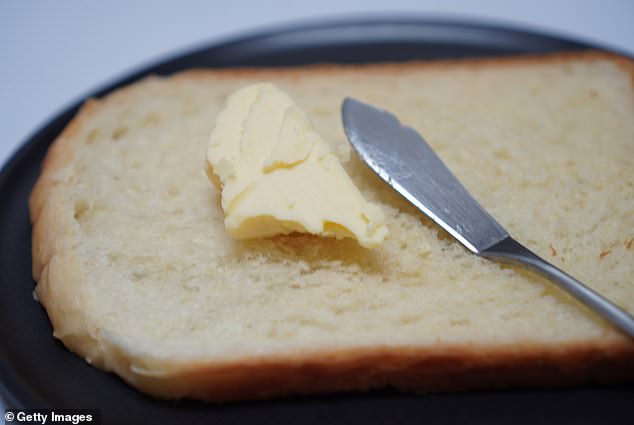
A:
<point x="139" y="276"/>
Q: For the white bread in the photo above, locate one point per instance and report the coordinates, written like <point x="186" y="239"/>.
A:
<point x="138" y="275"/>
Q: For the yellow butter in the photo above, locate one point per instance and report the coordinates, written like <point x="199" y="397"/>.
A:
<point x="278" y="176"/>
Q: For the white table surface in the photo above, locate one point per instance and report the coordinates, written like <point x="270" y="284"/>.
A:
<point x="55" y="52"/>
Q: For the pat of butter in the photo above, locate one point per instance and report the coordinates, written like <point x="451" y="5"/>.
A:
<point x="278" y="176"/>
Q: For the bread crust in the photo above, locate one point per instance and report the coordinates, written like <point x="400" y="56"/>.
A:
<point x="412" y="369"/>
<point x="389" y="68"/>
<point x="59" y="278"/>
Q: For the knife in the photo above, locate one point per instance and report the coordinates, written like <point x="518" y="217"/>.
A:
<point x="401" y="157"/>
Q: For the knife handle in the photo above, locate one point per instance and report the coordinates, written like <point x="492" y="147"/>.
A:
<point x="509" y="251"/>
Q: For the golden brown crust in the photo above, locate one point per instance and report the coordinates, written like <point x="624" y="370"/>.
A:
<point x="440" y="368"/>
<point x="59" y="154"/>
<point x="44" y="214"/>
<point x="415" y="369"/>
<point x="391" y="67"/>
<point x="56" y="265"/>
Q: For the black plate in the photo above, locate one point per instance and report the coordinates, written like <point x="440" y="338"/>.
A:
<point x="37" y="371"/>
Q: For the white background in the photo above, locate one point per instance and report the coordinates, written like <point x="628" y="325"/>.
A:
<point x="52" y="53"/>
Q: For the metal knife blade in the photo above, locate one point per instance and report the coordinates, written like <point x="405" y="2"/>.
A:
<point x="401" y="157"/>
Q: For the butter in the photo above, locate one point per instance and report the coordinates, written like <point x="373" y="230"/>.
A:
<point x="279" y="176"/>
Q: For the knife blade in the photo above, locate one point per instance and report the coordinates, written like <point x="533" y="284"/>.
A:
<point x="401" y="157"/>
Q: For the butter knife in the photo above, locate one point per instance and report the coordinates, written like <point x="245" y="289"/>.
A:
<point x="401" y="157"/>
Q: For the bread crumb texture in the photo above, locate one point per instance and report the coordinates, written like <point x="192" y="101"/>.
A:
<point x="139" y="276"/>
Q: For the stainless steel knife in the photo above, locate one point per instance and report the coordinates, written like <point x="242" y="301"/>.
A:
<point x="401" y="157"/>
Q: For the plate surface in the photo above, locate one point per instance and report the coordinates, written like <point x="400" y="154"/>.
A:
<point x="37" y="371"/>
